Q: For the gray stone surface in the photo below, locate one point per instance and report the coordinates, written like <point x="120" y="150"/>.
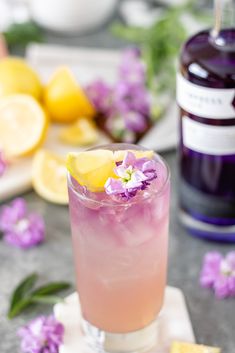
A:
<point x="213" y="320"/>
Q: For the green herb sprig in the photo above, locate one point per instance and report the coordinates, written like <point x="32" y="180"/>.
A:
<point x="25" y="294"/>
<point x="20" y="34"/>
<point x="160" y="43"/>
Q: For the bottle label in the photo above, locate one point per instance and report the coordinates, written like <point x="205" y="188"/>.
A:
<point x="211" y="103"/>
<point x="208" y="139"/>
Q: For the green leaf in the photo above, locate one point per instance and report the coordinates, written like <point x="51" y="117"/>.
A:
<point x="51" y="288"/>
<point x="46" y="299"/>
<point x="22" y="290"/>
<point x="19" y="307"/>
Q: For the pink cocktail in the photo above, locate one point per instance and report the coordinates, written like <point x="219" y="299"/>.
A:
<point x="120" y="251"/>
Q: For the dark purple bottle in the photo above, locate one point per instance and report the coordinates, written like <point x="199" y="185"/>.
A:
<point x="206" y="96"/>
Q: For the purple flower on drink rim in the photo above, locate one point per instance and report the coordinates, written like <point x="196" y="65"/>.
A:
<point x="132" y="69"/>
<point x="133" y="174"/>
<point x="100" y="94"/>
<point x="19" y="227"/>
<point x="42" y="335"/>
<point x="218" y="273"/>
<point x="3" y="163"/>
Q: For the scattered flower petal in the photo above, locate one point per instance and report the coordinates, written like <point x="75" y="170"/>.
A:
<point x="133" y="174"/>
<point x="42" y="335"/>
<point x="218" y="273"/>
<point x="19" y="227"/>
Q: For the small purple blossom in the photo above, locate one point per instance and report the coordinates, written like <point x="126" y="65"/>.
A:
<point x="135" y="121"/>
<point x="100" y="94"/>
<point x="132" y="69"/>
<point x="133" y="174"/>
<point x="3" y="163"/>
<point x="42" y="335"/>
<point x="127" y="100"/>
<point x="218" y="273"/>
<point x="19" y="227"/>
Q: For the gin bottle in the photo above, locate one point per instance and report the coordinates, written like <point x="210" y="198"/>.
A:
<point x="206" y="97"/>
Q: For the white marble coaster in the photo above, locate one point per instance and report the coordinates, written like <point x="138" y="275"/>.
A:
<point x="174" y="323"/>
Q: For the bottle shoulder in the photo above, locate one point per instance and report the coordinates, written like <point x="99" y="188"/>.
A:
<point x="206" y="64"/>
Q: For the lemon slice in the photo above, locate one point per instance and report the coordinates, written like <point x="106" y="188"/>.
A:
<point x="64" y="99"/>
<point x="49" y="177"/>
<point x="184" y="347"/>
<point x="23" y="125"/>
<point x="119" y="155"/>
<point x="92" y="168"/>
<point x="81" y="133"/>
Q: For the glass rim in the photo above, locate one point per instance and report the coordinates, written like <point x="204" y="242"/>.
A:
<point x="155" y="193"/>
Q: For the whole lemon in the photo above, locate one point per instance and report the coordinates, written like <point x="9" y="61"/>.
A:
<point x="16" y="76"/>
<point x="64" y="99"/>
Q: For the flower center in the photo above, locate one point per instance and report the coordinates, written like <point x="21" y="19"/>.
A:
<point x="226" y="269"/>
<point x="22" y="225"/>
<point x="128" y="174"/>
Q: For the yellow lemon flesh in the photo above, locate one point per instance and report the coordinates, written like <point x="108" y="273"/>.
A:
<point x="49" y="177"/>
<point x="18" y="77"/>
<point x="119" y="155"/>
<point x="64" y="98"/>
<point x="23" y="125"/>
<point x="81" y="133"/>
<point x="92" y="168"/>
<point x="184" y="347"/>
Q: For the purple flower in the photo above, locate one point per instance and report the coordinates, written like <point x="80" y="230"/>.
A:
<point x="20" y="228"/>
<point x="127" y="100"/>
<point x="41" y="335"/>
<point x="100" y="94"/>
<point x="132" y="69"/>
<point x="133" y="174"/>
<point x="3" y="163"/>
<point x="218" y="273"/>
<point x="135" y="121"/>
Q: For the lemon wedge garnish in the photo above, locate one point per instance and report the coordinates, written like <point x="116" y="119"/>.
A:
<point x="92" y="168"/>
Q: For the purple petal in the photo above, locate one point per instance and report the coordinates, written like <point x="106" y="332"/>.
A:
<point x="230" y="258"/>
<point x="129" y="159"/>
<point x="221" y="287"/>
<point x="114" y="186"/>
<point x="135" y="121"/>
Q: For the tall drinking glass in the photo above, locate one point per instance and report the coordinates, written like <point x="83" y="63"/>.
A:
<point x="120" y="252"/>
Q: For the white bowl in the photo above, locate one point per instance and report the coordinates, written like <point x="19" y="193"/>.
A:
<point x="71" y="15"/>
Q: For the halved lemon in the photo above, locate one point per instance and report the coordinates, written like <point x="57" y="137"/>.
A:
<point x="81" y="133"/>
<point x="64" y="99"/>
<point x="119" y="155"/>
<point x="17" y="77"/>
<point x="49" y="176"/>
<point x="92" y="168"/>
<point x="23" y="125"/>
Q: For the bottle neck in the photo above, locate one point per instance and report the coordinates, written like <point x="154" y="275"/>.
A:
<point x="224" y="23"/>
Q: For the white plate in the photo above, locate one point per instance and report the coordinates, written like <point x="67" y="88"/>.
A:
<point x="87" y="65"/>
